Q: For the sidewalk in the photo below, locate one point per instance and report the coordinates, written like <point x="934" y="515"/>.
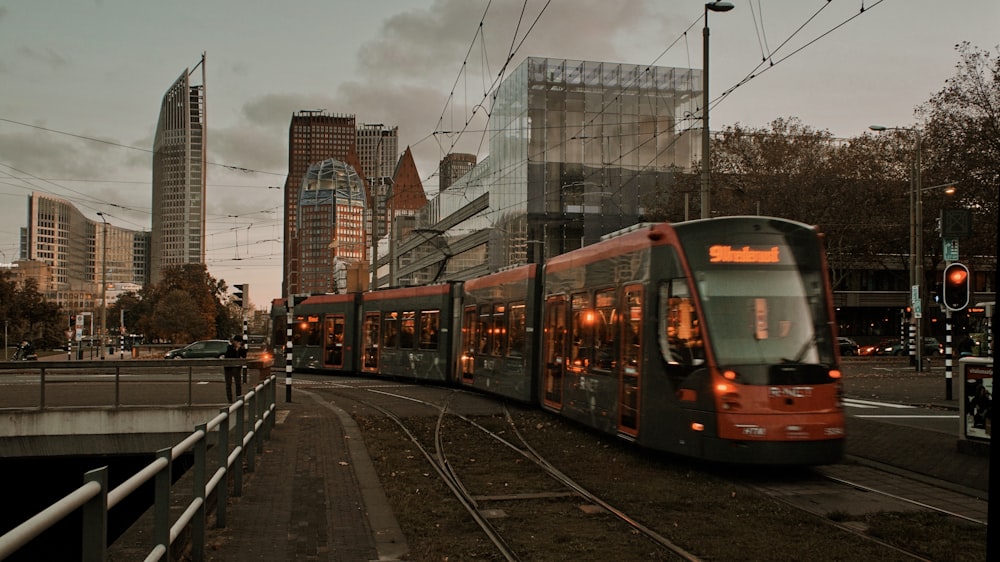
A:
<point x="929" y="453"/>
<point x="314" y="496"/>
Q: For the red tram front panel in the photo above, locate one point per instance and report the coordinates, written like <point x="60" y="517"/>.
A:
<point x="732" y="360"/>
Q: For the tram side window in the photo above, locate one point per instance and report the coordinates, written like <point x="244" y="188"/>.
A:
<point x="407" y="330"/>
<point x="300" y="331"/>
<point x="499" y="330"/>
<point x="605" y="322"/>
<point x="516" y="333"/>
<point x="429" y="325"/>
<point x="390" y="330"/>
<point x="582" y="336"/>
<point x="314" y="331"/>
<point x="680" y="335"/>
<point x="485" y="330"/>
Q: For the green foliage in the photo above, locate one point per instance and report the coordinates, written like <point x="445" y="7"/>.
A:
<point x="184" y="306"/>
<point x="28" y="315"/>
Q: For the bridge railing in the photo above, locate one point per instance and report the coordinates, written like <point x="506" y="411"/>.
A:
<point x="122" y="381"/>
<point x="254" y="415"/>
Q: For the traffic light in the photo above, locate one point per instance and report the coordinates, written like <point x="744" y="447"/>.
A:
<point x="956" y="286"/>
<point x="239" y="294"/>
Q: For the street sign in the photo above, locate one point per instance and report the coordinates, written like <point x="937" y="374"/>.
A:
<point x="951" y="249"/>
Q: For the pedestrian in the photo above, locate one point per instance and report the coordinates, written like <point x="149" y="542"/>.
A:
<point x="965" y="346"/>
<point x="235" y="350"/>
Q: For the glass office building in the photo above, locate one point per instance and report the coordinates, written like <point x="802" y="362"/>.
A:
<point x="577" y="148"/>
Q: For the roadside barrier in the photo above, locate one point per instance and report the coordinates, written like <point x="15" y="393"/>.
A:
<point x="250" y="419"/>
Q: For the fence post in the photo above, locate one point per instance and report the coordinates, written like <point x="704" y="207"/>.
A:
<point x="238" y="465"/>
<point x="198" y="493"/>
<point x="95" y="518"/>
<point x="222" y="490"/>
<point x="161" y="502"/>
<point x="250" y="433"/>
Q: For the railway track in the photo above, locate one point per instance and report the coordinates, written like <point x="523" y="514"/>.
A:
<point x="462" y="487"/>
<point x="495" y="466"/>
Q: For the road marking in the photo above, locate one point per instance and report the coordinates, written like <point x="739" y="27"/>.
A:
<point x="917" y="416"/>
<point x="869" y="404"/>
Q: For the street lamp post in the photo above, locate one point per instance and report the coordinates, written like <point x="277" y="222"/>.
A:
<point x="104" y="280"/>
<point x="705" y="160"/>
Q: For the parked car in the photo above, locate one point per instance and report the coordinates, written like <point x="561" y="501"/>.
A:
<point x="205" y="349"/>
<point x="848" y="346"/>
<point x="894" y="347"/>
<point x="869" y="349"/>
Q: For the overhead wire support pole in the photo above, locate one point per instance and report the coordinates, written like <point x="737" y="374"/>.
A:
<point x="705" y="154"/>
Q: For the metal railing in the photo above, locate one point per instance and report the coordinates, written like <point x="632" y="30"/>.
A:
<point x="94" y="498"/>
<point x="188" y="371"/>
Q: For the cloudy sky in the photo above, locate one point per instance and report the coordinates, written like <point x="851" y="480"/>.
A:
<point x="81" y="84"/>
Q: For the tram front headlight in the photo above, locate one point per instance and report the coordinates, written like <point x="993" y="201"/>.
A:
<point x="729" y="397"/>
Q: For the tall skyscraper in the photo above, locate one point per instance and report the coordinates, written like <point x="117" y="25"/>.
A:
<point x="313" y="136"/>
<point x="378" y="147"/>
<point x="178" y="222"/>
<point x="331" y="233"/>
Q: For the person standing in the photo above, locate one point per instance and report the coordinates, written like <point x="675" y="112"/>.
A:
<point x="235" y="350"/>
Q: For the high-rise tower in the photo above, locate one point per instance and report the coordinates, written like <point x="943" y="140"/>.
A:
<point x="178" y="220"/>
<point x="313" y="136"/>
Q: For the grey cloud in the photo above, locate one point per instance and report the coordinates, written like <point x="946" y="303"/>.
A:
<point x="47" y="57"/>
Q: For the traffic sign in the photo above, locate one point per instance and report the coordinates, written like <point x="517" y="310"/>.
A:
<point x="951" y="249"/>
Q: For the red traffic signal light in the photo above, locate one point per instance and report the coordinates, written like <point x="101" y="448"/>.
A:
<point x="956" y="286"/>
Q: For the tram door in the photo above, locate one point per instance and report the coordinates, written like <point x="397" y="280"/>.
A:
<point x="370" y="345"/>
<point x="631" y="364"/>
<point x="554" y="351"/>
<point x="467" y="358"/>
<point x="334" y="341"/>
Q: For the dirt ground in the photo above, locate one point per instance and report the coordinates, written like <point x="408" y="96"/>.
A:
<point x="712" y="512"/>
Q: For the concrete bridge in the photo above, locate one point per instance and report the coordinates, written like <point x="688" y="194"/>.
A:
<point x="58" y="408"/>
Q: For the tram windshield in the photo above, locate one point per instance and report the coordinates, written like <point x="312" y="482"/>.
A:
<point x="765" y="316"/>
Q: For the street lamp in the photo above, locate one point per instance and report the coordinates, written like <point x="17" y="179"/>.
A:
<point x="104" y="280"/>
<point x="714" y="7"/>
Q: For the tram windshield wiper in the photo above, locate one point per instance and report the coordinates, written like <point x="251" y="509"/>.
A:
<point x="802" y="352"/>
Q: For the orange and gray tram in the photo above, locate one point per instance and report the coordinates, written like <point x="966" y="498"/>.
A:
<point x="407" y="332"/>
<point x="324" y="334"/>
<point x="713" y="339"/>
<point x="499" y="350"/>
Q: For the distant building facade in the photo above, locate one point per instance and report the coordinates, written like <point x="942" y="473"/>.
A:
<point x="177" y="235"/>
<point x="331" y="231"/>
<point x="65" y="253"/>
<point x="313" y="136"/>
<point x="453" y="166"/>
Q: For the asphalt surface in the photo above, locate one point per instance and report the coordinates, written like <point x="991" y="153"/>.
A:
<point x="315" y="494"/>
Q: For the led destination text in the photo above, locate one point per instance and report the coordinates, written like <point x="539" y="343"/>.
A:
<point x="746" y="254"/>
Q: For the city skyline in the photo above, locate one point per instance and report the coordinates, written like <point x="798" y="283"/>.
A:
<point x="398" y="67"/>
